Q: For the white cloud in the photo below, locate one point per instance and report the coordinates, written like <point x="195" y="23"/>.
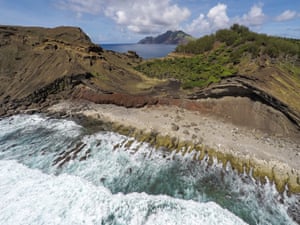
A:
<point x="215" y="19"/>
<point x="199" y="25"/>
<point x="80" y="7"/>
<point x="218" y="16"/>
<point x="140" y="16"/>
<point x="148" y="16"/>
<point x="254" y="17"/>
<point x="286" y="15"/>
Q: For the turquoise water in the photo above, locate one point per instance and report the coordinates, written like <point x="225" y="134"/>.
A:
<point x="53" y="172"/>
<point x="145" y="51"/>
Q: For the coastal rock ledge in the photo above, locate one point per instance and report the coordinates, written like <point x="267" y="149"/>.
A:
<point x="265" y="158"/>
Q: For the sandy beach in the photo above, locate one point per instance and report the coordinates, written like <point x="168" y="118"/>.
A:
<point x="279" y="155"/>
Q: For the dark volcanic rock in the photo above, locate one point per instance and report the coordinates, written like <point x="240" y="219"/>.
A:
<point x="2" y="111"/>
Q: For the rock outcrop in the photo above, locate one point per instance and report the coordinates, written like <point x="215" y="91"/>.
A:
<point x="243" y="86"/>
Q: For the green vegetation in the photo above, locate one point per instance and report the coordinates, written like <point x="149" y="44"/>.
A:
<point x="241" y="40"/>
<point x="192" y="72"/>
<point x="219" y="55"/>
<point x="197" y="46"/>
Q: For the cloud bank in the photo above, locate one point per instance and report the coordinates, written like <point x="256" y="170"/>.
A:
<point x="217" y="18"/>
<point x="139" y="16"/>
<point x="156" y="16"/>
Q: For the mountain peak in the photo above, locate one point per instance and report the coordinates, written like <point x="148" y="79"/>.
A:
<point x="169" y="37"/>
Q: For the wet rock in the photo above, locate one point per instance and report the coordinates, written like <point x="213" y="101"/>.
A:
<point x="10" y="112"/>
<point x="22" y="107"/>
<point x="45" y="104"/>
<point x="68" y="155"/>
<point x="293" y="212"/>
<point x="6" y="99"/>
<point x="2" y="111"/>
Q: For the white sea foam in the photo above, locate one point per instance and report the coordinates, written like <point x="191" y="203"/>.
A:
<point x="31" y="197"/>
<point x="32" y="122"/>
<point x="86" y="189"/>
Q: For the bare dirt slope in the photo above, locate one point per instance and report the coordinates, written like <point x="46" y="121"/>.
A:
<point x="36" y="62"/>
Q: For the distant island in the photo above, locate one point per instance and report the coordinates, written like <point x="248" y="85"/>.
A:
<point x="169" y="37"/>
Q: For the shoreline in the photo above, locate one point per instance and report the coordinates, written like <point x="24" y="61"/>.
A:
<point x="182" y="130"/>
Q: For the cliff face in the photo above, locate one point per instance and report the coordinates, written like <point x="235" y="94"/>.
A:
<point x="170" y="37"/>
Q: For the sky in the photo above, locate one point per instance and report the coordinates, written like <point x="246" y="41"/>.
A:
<point x="127" y="21"/>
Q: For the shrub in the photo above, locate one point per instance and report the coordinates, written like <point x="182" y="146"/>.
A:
<point x="227" y="36"/>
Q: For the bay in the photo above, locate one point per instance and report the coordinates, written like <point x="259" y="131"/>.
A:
<point x="146" y="51"/>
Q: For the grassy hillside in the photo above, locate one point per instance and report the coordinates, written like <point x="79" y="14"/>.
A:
<point x="227" y="52"/>
<point x="196" y="71"/>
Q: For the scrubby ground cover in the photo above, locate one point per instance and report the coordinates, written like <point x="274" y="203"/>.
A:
<point x="208" y="59"/>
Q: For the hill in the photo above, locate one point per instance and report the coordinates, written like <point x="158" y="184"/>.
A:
<point x="41" y="65"/>
<point x="236" y="62"/>
<point x="169" y="37"/>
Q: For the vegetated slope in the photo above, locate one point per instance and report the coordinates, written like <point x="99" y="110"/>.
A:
<point x="169" y="37"/>
<point x="236" y="62"/>
<point x="38" y="62"/>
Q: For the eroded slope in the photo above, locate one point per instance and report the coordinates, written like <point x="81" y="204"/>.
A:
<point x="37" y="62"/>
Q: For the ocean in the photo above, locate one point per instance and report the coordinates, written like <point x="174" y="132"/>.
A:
<point x="146" y="51"/>
<point x="54" y="171"/>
